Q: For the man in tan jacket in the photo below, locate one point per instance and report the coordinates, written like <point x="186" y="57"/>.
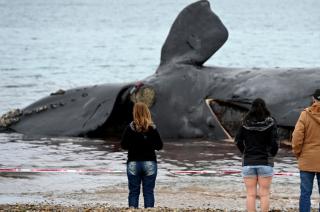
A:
<point x="306" y="147"/>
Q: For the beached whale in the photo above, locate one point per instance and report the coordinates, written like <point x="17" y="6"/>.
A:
<point x="187" y="99"/>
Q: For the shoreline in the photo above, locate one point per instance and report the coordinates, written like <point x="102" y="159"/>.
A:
<point x="174" y="192"/>
<point x="106" y="207"/>
<point x="180" y="194"/>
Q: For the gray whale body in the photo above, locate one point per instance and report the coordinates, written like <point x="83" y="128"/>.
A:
<point x="187" y="99"/>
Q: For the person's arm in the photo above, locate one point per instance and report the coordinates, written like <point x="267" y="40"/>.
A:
<point x="239" y="140"/>
<point x="274" y="140"/>
<point x="298" y="135"/>
<point x="125" y="139"/>
<point x="156" y="139"/>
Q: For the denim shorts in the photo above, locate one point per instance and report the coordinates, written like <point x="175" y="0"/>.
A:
<point x="257" y="171"/>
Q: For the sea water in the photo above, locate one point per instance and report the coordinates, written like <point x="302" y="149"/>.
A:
<point x="59" y="44"/>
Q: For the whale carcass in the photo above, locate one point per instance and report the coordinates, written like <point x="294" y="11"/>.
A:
<point x="187" y="99"/>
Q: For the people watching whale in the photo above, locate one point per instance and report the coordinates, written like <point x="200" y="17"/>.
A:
<point x="257" y="140"/>
<point x="306" y="147"/>
<point x="141" y="138"/>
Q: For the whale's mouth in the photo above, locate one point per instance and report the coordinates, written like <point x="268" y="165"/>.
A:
<point x="227" y="114"/>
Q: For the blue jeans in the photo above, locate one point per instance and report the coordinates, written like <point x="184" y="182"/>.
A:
<point x="144" y="172"/>
<point x="306" y="185"/>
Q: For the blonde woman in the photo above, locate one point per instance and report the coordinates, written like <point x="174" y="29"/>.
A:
<point x="141" y="139"/>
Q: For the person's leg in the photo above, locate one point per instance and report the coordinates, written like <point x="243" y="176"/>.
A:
<point x="306" y="185"/>
<point x="148" y="183"/>
<point x="264" y="192"/>
<point x="318" y="180"/>
<point x="250" y="179"/>
<point x="134" y="181"/>
<point x="265" y="174"/>
<point x="251" y="187"/>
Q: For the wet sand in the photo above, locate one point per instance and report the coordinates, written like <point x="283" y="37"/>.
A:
<point x="195" y="194"/>
<point x="99" y="208"/>
<point x="174" y="191"/>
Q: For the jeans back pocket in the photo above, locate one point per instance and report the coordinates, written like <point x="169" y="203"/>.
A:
<point x="132" y="167"/>
<point x="150" y="168"/>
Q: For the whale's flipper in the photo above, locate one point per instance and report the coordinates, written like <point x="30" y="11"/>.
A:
<point x="75" y="112"/>
<point x="196" y="34"/>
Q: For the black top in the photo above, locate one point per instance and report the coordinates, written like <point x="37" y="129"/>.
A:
<point x="141" y="146"/>
<point x="258" y="142"/>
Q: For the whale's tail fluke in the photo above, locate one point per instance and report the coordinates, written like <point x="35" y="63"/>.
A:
<point x="196" y="34"/>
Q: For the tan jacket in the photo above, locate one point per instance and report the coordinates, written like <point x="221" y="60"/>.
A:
<point x="306" y="139"/>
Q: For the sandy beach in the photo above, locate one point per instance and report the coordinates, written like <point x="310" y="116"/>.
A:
<point x="215" y="191"/>
<point x="209" y="194"/>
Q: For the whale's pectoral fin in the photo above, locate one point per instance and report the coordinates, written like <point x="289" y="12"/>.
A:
<point x="195" y="36"/>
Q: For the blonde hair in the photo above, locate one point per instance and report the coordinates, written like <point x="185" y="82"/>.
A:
<point x="141" y="117"/>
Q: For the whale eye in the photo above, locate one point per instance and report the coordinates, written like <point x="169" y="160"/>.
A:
<point x="145" y="94"/>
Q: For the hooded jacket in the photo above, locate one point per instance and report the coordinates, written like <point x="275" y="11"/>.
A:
<point x="141" y="146"/>
<point x="306" y="139"/>
<point x="258" y="142"/>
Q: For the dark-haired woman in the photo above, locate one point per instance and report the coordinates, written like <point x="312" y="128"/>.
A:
<point x="257" y="140"/>
<point x="141" y="139"/>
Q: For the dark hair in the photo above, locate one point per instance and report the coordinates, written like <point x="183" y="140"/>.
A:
<point x="258" y="111"/>
<point x="316" y="95"/>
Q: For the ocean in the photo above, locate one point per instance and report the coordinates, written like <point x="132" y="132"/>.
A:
<point x="59" y="44"/>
